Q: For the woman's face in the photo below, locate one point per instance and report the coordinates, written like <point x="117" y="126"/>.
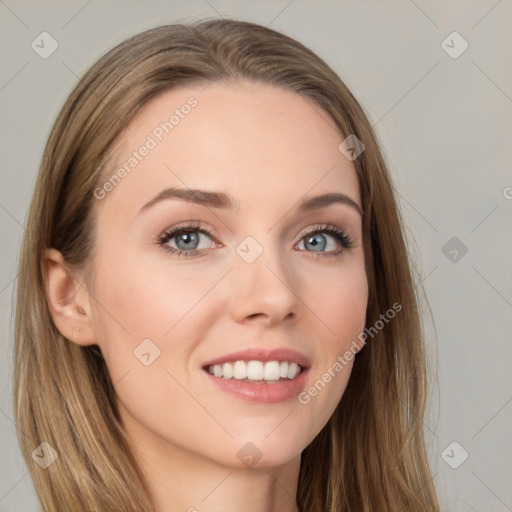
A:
<point x="247" y="282"/>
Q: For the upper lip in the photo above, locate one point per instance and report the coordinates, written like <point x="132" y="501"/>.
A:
<point x="262" y="354"/>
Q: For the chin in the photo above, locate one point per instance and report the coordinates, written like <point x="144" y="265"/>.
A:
<point x="262" y="451"/>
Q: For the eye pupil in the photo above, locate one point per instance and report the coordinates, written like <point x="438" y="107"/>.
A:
<point x="187" y="238"/>
<point x="317" y="244"/>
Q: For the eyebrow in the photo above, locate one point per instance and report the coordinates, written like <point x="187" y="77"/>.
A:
<point x="225" y="201"/>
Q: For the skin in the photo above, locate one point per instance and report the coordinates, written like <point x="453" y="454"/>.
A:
<point x="268" y="148"/>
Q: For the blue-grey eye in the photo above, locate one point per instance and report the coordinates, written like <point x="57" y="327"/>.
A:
<point x="324" y="240"/>
<point x="317" y="242"/>
<point x="187" y="240"/>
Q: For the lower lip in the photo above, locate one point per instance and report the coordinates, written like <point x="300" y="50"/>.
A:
<point x="263" y="393"/>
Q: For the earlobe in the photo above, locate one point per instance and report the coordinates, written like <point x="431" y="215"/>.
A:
<point x="68" y="301"/>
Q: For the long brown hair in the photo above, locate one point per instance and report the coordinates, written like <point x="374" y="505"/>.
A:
<point x="370" y="456"/>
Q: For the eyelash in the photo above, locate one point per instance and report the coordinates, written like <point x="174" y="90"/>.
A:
<point x="344" y="239"/>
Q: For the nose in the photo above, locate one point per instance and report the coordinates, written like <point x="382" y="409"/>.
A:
<point x="264" y="290"/>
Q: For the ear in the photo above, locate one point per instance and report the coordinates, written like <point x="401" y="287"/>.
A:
<point x="68" y="301"/>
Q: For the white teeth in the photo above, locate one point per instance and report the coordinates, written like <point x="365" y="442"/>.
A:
<point x="240" y="370"/>
<point x="292" y="370"/>
<point x="256" y="370"/>
<point x="227" y="371"/>
<point x="272" y="370"/>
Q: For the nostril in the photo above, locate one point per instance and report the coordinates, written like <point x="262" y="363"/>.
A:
<point x="256" y="315"/>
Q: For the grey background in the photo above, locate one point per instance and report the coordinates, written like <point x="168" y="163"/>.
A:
<point x="445" y="124"/>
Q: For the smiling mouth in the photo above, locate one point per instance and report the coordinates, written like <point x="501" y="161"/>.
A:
<point x="254" y="371"/>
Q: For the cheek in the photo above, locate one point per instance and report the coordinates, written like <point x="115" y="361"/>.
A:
<point x="339" y="300"/>
<point x="340" y="308"/>
<point x="139" y="300"/>
<point x="153" y="313"/>
<point x="147" y="316"/>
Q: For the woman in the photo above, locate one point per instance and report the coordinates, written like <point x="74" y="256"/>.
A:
<point x="215" y="305"/>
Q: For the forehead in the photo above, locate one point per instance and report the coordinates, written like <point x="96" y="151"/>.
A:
<point x="257" y="142"/>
